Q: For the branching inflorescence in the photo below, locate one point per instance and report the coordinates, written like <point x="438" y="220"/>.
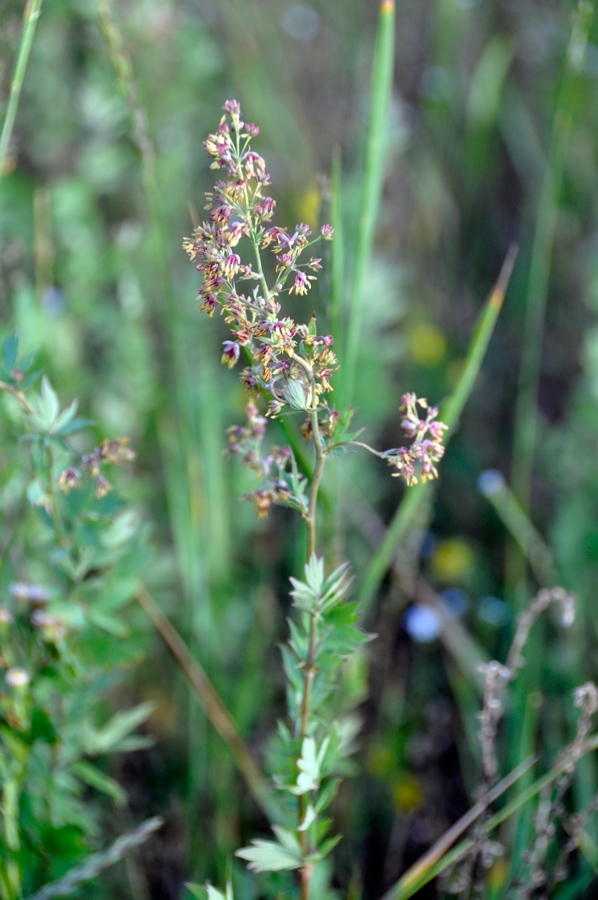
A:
<point x="290" y="362"/>
<point x="291" y="365"/>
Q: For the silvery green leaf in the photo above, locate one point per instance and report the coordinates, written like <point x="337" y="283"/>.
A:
<point x="308" y="765"/>
<point x="66" y="416"/>
<point x="209" y="890"/>
<point x="36" y="493"/>
<point x="309" y="817"/>
<point x="335" y="587"/>
<point x="213" y="894"/>
<point x="269" y="856"/>
<point x="48" y="407"/>
<point x="297" y="393"/>
<point x="119" y="727"/>
<point x="304" y="597"/>
<point x="314" y="574"/>
<point x="74" y="425"/>
<point x="287" y="839"/>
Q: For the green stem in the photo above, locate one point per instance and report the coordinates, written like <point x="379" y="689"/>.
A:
<point x="17" y="394"/>
<point x="546" y="222"/>
<point x="315" y="483"/>
<point x="371" y="189"/>
<point x="310" y="670"/>
<point x="30" y="17"/>
<point x="54" y="515"/>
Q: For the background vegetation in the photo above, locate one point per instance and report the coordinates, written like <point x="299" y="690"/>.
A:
<point x="491" y="141"/>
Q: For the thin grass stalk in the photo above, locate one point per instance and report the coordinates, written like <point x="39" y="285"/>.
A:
<point x="212" y="705"/>
<point x="416" y="498"/>
<point x="98" y="862"/>
<point x="371" y="191"/>
<point x="522" y="530"/>
<point x="526" y="413"/>
<point x="190" y="458"/>
<point x="546" y="221"/>
<point x="337" y="248"/>
<point x="437" y="859"/>
<point x="30" y="17"/>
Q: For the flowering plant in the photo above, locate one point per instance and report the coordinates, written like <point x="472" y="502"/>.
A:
<point x="291" y="365"/>
<point x="69" y="566"/>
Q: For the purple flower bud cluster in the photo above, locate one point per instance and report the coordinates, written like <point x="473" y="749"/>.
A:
<point x="418" y="461"/>
<point x="114" y="452"/>
<point x="246" y="441"/>
<point x="277" y="347"/>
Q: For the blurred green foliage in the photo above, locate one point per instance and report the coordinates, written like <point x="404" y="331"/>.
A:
<point x="91" y="272"/>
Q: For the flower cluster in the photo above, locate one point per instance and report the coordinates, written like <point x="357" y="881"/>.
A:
<point x="246" y="441"/>
<point x="291" y="363"/>
<point x="418" y="461"/>
<point x="113" y="452"/>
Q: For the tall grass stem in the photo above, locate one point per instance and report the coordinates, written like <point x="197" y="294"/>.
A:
<point x="30" y="18"/>
<point x="371" y="190"/>
<point x="416" y="498"/>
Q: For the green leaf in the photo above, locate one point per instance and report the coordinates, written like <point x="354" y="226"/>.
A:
<point x="109" y="738"/>
<point x="49" y="406"/>
<point x="10" y="347"/>
<point x="314" y="574"/>
<point x="213" y="894"/>
<point x="108" y="623"/>
<point x="75" y="425"/>
<point x="309" y="817"/>
<point x="325" y="848"/>
<point x="371" y="188"/>
<point x="335" y="587"/>
<point x="100" y="781"/>
<point x="309" y="767"/>
<point x="66" y="416"/>
<point x="269" y="856"/>
<point x="206" y="891"/>
<point x="327" y="794"/>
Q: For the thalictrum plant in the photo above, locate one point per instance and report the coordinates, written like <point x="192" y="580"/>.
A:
<point x="289" y="367"/>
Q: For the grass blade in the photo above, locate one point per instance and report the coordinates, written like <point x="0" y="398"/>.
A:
<point x="98" y="862"/>
<point x="525" y="411"/>
<point x="373" y="177"/>
<point x="436" y="860"/>
<point x="494" y="488"/>
<point x="416" y="498"/>
<point x="30" y="17"/>
<point x="212" y="705"/>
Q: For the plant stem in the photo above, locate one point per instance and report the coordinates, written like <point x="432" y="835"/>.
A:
<point x="30" y="17"/>
<point x="371" y="188"/>
<point x="17" y="394"/>
<point x="546" y="222"/>
<point x="315" y="483"/>
<point x="309" y="671"/>
<point x="62" y="538"/>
